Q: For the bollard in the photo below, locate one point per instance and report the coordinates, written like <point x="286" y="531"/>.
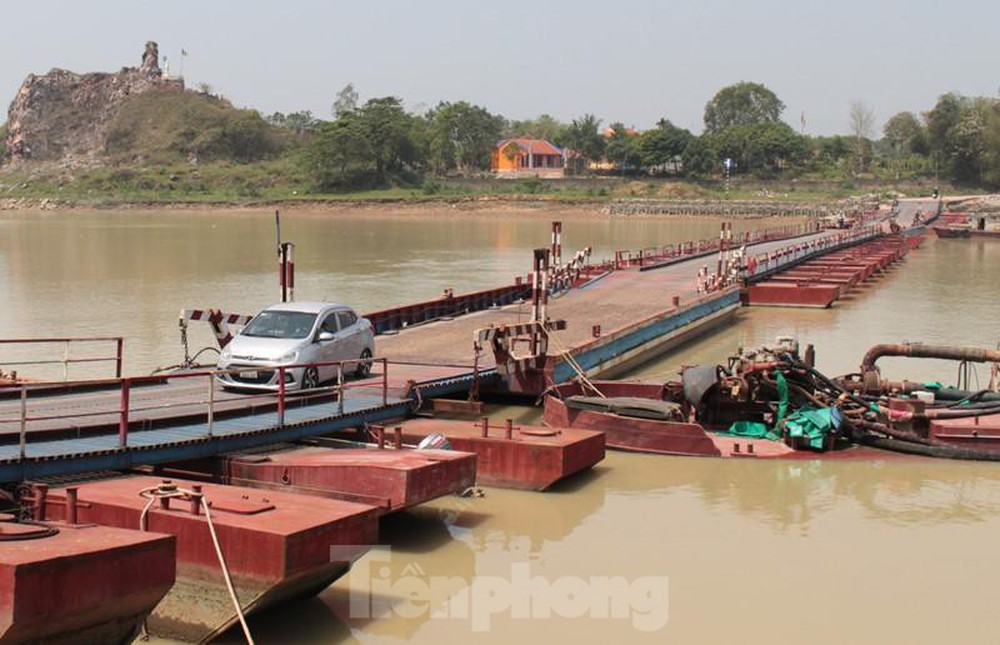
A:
<point x="196" y="499"/>
<point x="485" y="428"/>
<point x="508" y="430"/>
<point x="71" y="504"/>
<point x="165" y="501"/>
<point x="40" y="498"/>
<point x="677" y="301"/>
<point x="380" y="436"/>
<point x="398" y="431"/>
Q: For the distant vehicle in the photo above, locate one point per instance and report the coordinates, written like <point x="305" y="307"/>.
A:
<point x="298" y="333"/>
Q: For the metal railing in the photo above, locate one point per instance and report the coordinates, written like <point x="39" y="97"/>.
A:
<point x="66" y="360"/>
<point x="653" y="256"/>
<point x="279" y="398"/>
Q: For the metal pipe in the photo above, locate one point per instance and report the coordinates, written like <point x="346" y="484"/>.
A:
<point x="119" y="355"/>
<point x="281" y="396"/>
<point x="385" y="381"/>
<point x="211" y="403"/>
<point x="123" y="414"/>
<point x="340" y="389"/>
<point x="24" y="420"/>
<point x="920" y="350"/>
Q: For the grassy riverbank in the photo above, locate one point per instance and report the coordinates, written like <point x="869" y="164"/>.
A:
<point x="281" y="181"/>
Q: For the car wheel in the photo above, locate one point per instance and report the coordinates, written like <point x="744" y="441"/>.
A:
<point x="310" y="378"/>
<point x="365" y="364"/>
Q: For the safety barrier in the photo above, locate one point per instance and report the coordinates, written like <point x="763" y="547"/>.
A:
<point x="66" y="360"/>
<point x="126" y="410"/>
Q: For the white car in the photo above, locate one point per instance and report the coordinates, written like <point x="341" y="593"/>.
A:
<point x="298" y="333"/>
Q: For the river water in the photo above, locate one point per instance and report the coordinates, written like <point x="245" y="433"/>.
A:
<point x="641" y="549"/>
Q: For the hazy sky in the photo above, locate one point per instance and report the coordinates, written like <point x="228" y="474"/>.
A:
<point x="633" y="61"/>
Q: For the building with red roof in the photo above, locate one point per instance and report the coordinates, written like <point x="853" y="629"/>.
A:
<point x="527" y="157"/>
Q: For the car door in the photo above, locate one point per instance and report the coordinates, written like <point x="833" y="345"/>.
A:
<point x="353" y="341"/>
<point x="328" y="350"/>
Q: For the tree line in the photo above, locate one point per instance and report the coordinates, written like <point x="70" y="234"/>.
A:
<point x="380" y="142"/>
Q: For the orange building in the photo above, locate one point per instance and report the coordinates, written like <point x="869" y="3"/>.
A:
<point x="528" y="158"/>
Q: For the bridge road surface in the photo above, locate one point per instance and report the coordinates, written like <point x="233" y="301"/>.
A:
<point x="619" y="299"/>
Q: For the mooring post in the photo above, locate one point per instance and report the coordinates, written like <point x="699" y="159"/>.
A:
<point x="71" y="516"/>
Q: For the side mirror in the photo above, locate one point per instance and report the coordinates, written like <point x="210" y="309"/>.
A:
<point x="325" y="336"/>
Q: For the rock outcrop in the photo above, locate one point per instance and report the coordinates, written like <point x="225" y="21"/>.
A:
<point x="64" y="116"/>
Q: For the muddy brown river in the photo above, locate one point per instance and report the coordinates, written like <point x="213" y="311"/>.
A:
<point x="641" y="549"/>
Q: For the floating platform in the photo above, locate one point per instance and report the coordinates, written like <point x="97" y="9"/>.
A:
<point x="278" y="546"/>
<point x="390" y="480"/>
<point x="523" y="457"/>
<point x="819" y="282"/>
<point x="79" y="583"/>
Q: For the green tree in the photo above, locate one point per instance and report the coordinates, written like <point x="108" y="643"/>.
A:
<point x="584" y="141"/>
<point x="700" y="160"/>
<point x="462" y="136"/>
<point x="663" y="145"/>
<point x="544" y="127"/>
<point x="742" y="104"/>
<point x="991" y="143"/>
<point x="762" y="147"/>
<point x="338" y="156"/>
<point x="905" y="135"/>
<point x="622" y="148"/>
<point x="388" y="132"/>
<point x="941" y="123"/>
<point x="968" y="142"/>
<point x="246" y="137"/>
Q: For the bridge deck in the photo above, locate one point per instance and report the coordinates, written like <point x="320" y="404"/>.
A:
<point x="617" y="300"/>
<point x="76" y="432"/>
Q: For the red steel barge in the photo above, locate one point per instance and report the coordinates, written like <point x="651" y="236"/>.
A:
<point x="69" y="582"/>
<point x="277" y="546"/>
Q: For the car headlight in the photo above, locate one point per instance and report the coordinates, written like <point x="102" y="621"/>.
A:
<point x="225" y="354"/>
<point x="290" y="357"/>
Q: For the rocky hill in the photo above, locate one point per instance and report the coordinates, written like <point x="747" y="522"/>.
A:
<point x="63" y="116"/>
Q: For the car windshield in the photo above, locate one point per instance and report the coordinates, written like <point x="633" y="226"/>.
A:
<point x="280" y="324"/>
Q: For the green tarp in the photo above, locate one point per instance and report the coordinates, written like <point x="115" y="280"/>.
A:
<point x="813" y="424"/>
<point x="810" y="423"/>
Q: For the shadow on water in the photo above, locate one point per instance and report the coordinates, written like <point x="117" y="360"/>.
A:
<point x="306" y="621"/>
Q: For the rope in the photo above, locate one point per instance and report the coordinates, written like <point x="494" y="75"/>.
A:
<point x="165" y="491"/>
<point x="572" y="362"/>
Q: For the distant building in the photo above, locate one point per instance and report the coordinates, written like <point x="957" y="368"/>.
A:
<point x="528" y="158"/>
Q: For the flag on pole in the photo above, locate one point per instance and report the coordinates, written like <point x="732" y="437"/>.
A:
<point x="802" y="120"/>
